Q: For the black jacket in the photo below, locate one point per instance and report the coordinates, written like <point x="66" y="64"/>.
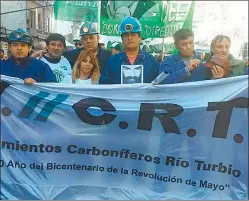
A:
<point x="103" y="56"/>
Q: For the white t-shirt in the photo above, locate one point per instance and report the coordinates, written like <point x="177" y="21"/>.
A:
<point x="62" y="70"/>
<point x="79" y="81"/>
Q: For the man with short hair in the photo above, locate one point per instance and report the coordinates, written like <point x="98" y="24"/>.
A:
<point x="133" y="65"/>
<point x="20" y="64"/>
<point x="184" y="66"/>
<point x="60" y="66"/>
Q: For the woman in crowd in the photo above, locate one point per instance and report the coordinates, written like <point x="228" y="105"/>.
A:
<point x="220" y="45"/>
<point x="86" y="69"/>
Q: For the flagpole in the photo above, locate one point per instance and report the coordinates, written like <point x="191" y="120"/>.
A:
<point x="99" y="15"/>
<point x="163" y="50"/>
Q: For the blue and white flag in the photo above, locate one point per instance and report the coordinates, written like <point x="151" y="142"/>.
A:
<point x="180" y="141"/>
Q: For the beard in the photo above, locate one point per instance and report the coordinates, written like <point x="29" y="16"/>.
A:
<point x="132" y="80"/>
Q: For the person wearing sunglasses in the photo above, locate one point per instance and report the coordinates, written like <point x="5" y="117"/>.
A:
<point x="20" y="64"/>
<point x="77" y="43"/>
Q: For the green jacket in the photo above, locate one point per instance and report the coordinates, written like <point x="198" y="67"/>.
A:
<point x="237" y="67"/>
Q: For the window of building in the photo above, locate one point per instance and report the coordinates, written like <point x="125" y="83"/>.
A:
<point x="48" y="24"/>
<point x="39" y="22"/>
<point x="32" y="19"/>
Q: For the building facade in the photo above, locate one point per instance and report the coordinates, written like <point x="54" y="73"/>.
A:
<point x="36" y="17"/>
<point x="40" y="19"/>
<point x="11" y="20"/>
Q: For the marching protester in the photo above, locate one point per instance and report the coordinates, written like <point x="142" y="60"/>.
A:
<point x="90" y="41"/>
<point x="220" y="45"/>
<point x="133" y="65"/>
<point x="60" y="66"/>
<point x="86" y="69"/>
<point x="20" y="64"/>
<point x="184" y="66"/>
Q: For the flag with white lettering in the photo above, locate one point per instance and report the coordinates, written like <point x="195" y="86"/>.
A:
<point x="158" y="18"/>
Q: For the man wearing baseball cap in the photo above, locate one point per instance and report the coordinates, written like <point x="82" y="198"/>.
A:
<point x="133" y="65"/>
<point x="21" y="65"/>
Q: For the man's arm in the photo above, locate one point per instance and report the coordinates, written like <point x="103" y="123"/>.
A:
<point x="39" y="54"/>
<point x="175" y="76"/>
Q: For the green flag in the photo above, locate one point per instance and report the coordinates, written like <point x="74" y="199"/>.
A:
<point x="158" y="18"/>
<point x="188" y="21"/>
<point x="76" y="11"/>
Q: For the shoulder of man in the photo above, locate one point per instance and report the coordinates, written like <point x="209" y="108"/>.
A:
<point x="10" y="59"/>
<point x="114" y="57"/>
<point x="169" y="59"/>
<point x="72" y="52"/>
<point x="38" y="63"/>
<point x="106" y="53"/>
<point x="235" y="62"/>
<point x="65" y="61"/>
<point x="44" y="60"/>
<point x="148" y="55"/>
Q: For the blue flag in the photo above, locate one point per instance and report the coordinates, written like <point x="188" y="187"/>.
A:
<point x="180" y="141"/>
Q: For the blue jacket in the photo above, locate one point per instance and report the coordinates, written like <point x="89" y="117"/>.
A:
<point x="103" y="56"/>
<point x="178" y="72"/>
<point x="29" y="68"/>
<point x="112" y="72"/>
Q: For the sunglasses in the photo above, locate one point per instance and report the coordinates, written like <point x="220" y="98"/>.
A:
<point x="76" y="44"/>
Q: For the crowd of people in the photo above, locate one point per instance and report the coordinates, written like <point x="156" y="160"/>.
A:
<point x="90" y="63"/>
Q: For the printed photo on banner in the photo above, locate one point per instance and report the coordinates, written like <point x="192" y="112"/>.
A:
<point x="132" y="74"/>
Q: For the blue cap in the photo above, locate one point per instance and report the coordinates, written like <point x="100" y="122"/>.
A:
<point x="88" y="28"/>
<point x="130" y="25"/>
<point x="20" y="35"/>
